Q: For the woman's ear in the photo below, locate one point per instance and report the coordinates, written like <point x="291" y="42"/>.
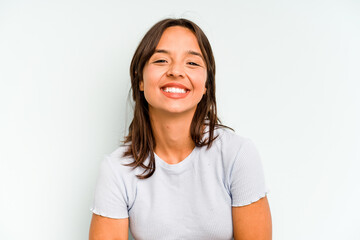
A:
<point x="205" y="91"/>
<point x="141" y="85"/>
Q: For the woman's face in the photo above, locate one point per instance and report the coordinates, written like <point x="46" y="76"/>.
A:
<point x="174" y="77"/>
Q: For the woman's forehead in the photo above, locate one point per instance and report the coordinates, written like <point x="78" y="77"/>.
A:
<point x="178" y="38"/>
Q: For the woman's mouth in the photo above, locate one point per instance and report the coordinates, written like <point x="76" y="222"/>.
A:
<point x="174" y="92"/>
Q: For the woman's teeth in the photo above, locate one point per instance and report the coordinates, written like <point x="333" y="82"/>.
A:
<point x="174" y="90"/>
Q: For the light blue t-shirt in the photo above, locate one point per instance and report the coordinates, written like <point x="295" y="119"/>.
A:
<point x="188" y="200"/>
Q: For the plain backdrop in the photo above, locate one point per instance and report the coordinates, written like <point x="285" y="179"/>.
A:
<point x="287" y="77"/>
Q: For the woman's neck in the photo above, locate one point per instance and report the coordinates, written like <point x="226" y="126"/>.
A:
<point x="172" y="136"/>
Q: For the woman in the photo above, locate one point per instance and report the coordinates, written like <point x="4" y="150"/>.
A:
<point x="180" y="174"/>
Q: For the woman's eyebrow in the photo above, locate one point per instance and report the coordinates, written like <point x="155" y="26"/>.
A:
<point x="191" y="52"/>
<point x="161" y="51"/>
<point x="195" y="53"/>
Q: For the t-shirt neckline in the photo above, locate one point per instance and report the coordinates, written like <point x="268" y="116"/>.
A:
<point x="178" y="167"/>
<point x="184" y="164"/>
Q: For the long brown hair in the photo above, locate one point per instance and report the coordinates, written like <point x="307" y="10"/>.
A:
<point x="141" y="141"/>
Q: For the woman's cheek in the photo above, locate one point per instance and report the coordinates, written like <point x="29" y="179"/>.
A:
<point x="152" y="76"/>
<point x="157" y="72"/>
<point x="199" y="77"/>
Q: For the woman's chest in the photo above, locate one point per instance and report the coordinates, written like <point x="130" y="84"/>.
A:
<point x="190" y="205"/>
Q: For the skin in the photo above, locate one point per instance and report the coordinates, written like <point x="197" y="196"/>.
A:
<point x="178" y="59"/>
<point x="103" y="228"/>
<point x="171" y="118"/>
<point x="253" y="221"/>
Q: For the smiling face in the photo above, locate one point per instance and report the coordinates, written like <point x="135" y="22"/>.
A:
<point x="175" y="75"/>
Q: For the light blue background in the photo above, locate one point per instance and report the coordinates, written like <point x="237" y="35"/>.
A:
<point x="287" y="77"/>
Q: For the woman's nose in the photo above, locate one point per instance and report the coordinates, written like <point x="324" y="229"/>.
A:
<point x="175" y="70"/>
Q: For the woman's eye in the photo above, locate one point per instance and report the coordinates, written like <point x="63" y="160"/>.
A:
<point x="194" y="64"/>
<point x="160" y="61"/>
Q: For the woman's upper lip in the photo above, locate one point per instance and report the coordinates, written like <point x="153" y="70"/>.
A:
<point x="177" y="85"/>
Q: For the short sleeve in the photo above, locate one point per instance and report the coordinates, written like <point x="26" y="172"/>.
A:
<point x="110" y="198"/>
<point x="247" y="180"/>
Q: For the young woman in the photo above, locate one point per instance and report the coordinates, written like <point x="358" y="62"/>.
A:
<point x="180" y="173"/>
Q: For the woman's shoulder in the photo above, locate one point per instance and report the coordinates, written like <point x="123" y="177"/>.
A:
<point x="236" y="149"/>
<point x="230" y="143"/>
<point x="230" y="138"/>
<point x="118" y="161"/>
<point x="118" y="153"/>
